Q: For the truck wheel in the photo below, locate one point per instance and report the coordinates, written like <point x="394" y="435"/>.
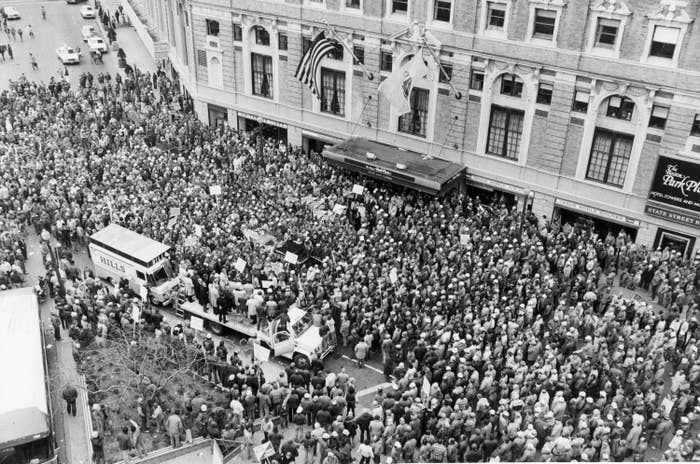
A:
<point x="301" y="361"/>
<point x="218" y="329"/>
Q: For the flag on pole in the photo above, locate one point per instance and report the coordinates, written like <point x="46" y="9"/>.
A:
<point x="308" y="66"/>
<point x="397" y="87"/>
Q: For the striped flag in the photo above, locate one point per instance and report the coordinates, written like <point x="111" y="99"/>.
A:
<point x="308" y="66"/>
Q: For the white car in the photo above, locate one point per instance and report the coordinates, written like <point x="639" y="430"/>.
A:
<point x="88" y="31"/>
<point x="68" y="55"/>
<point x="9" y="12"/>
<point x="87" y="12"/>
<point x="96" y="44"/>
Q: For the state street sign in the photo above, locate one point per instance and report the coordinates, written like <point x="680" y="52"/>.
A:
<point x="676" y="183"/>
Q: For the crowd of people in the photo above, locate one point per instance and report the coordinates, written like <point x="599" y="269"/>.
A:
<point x="512" y="322"/>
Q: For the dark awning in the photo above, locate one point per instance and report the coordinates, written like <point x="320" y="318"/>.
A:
<point x="434" y="176"/>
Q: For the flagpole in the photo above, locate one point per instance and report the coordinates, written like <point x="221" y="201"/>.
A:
<point x="458" y="94"/>
<point x="370" y="76"/>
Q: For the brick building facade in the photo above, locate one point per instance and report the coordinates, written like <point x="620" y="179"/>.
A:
<point x="566" y="106"/>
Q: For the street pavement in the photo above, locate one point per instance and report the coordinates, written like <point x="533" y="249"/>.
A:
<point x="62" y="26"/>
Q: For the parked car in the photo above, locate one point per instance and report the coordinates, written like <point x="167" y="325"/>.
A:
<point x="88" y="31"/>
<point x="9" y="12"/>
<point x="87" y="12"/>
<point x="68" y="55"/>
<point x="97" y="44"/>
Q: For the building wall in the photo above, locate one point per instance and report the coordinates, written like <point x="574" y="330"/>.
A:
<point x="556" y="141"/>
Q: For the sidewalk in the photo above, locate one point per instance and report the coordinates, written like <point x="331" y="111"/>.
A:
<point x="127" y="38"/>
<point x="71" y="432"/>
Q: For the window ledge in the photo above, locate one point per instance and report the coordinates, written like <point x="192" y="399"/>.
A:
<point x="658" y="61"/>
<point x="550" y="43"/>
<point x="598" y="52"/>
<point x="443" y="25"/>
<point x="514" y="162"/>
<point x="598" y="184"/>
<point x="331" y="115"/>
<point x="399" y="18"/>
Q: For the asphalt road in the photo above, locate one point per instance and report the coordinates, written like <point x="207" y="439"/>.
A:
<point x="61" y="26"/>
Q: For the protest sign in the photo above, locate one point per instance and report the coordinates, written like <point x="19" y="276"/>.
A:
<point x="358" y="189"/>
<point x="197" y="323"/>
<point x="291" y="258"/>
<point x="214" y="190"/>
<point x="393" y="276"/>
<point x="240" y="265"/>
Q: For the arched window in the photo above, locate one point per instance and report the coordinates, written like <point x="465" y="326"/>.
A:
<point x="613" y="140"/>
<point x="262" y="37"/>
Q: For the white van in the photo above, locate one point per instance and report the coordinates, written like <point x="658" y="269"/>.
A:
<point x="118" y="253"/>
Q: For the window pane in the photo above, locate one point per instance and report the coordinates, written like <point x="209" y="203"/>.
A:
<point x="360" y="54"/>
<point x="352" y="3"/>
<point x="695" y="129"/>
<point x="415" y="121"/>
<point x="476" y="82"/>
<point x="442" y="10"/>
<point x="237" y="33"/>
<point x="606" y="33"/>
<point x="386" y="61"/>
<point x="667" y="35"/>
<point x="333" y="91"/>
<point x="262" y="75"/>
<point x="544" y="23"/>
<point x="496" y="16"/>
<point x="282" y="41"/>
<point x="662" y="50"/>
<point x="399" y="6"/>
<point x="609" y="158"/>
<point x="444" y="79"/>
<point x="505" y="132"/>
<point x="511" y="85"/>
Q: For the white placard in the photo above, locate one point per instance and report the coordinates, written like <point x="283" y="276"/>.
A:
<point x="291" y="257"/>
<point x="266" y="284"/>
<point x="260" y="352"/>
<point x="464" y="239"/>
<point x="338" y="208"/>
<point x="191" y="241"/>
<point x="240" y="265"/>
<point x="426" y="387"/>
<point x="172" y="222"/>
<point x="358" y="189"/>
<point x="174" y="211"/>
<point x="197" y="323"/>
<point x="214" y="190"/>
<point x="198" y="230"/>
<point x="136" y="313"/>
<point x="143" y="291"/>
<point x="393" y="276"/>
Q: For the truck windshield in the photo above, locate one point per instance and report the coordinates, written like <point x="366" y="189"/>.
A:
<point x="302" y="324"/>
<point x="158" y="277"/>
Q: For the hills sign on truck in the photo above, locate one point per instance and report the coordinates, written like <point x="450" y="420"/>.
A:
<point x="119" y="253"/>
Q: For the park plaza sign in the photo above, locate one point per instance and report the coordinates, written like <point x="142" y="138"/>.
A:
<point x="675" y="191"/>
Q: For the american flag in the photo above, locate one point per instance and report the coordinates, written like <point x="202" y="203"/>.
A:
<point x="308" y="66"/>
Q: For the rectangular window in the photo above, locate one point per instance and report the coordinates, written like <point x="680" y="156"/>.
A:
<point x="580" y="103"/>
<point x="359" y="54"/>
<point x="505" y="132"/>
<point x="305" y="44"/>
<point x="262" y="37"/>
<point x="385" y="61"/>
<point x="444" y="79"/>
<point x="664" y="41"/>
<point x="545" y="21"/>
<point x="416" y="120"/>
<point x="202" y="57"/>
<point x="606" y="33"/>
<point x="476" y="80"/>
<point x="544" y="93"/>
<point x="282" y="41"/>
<point x="496" y="17"/>
<point x="336" y="53"/>
<point x="442" y="10"/>
<point x="399" y="6"/>
<point x="262" y="74"/>
<point x="352" y="4"/>
<point x="237" y="33"/>
<point x="212" y="27"/>
<point x="610" y="155"/>
<point x="695" y="129"/>
<point x="620" y="108"/>
<point x="333" y="91"/>
<point x="511" y="85"/>
<point x="659" y="115"/>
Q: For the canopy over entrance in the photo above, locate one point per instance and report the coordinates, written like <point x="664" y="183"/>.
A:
<point x="378" y="160"/>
